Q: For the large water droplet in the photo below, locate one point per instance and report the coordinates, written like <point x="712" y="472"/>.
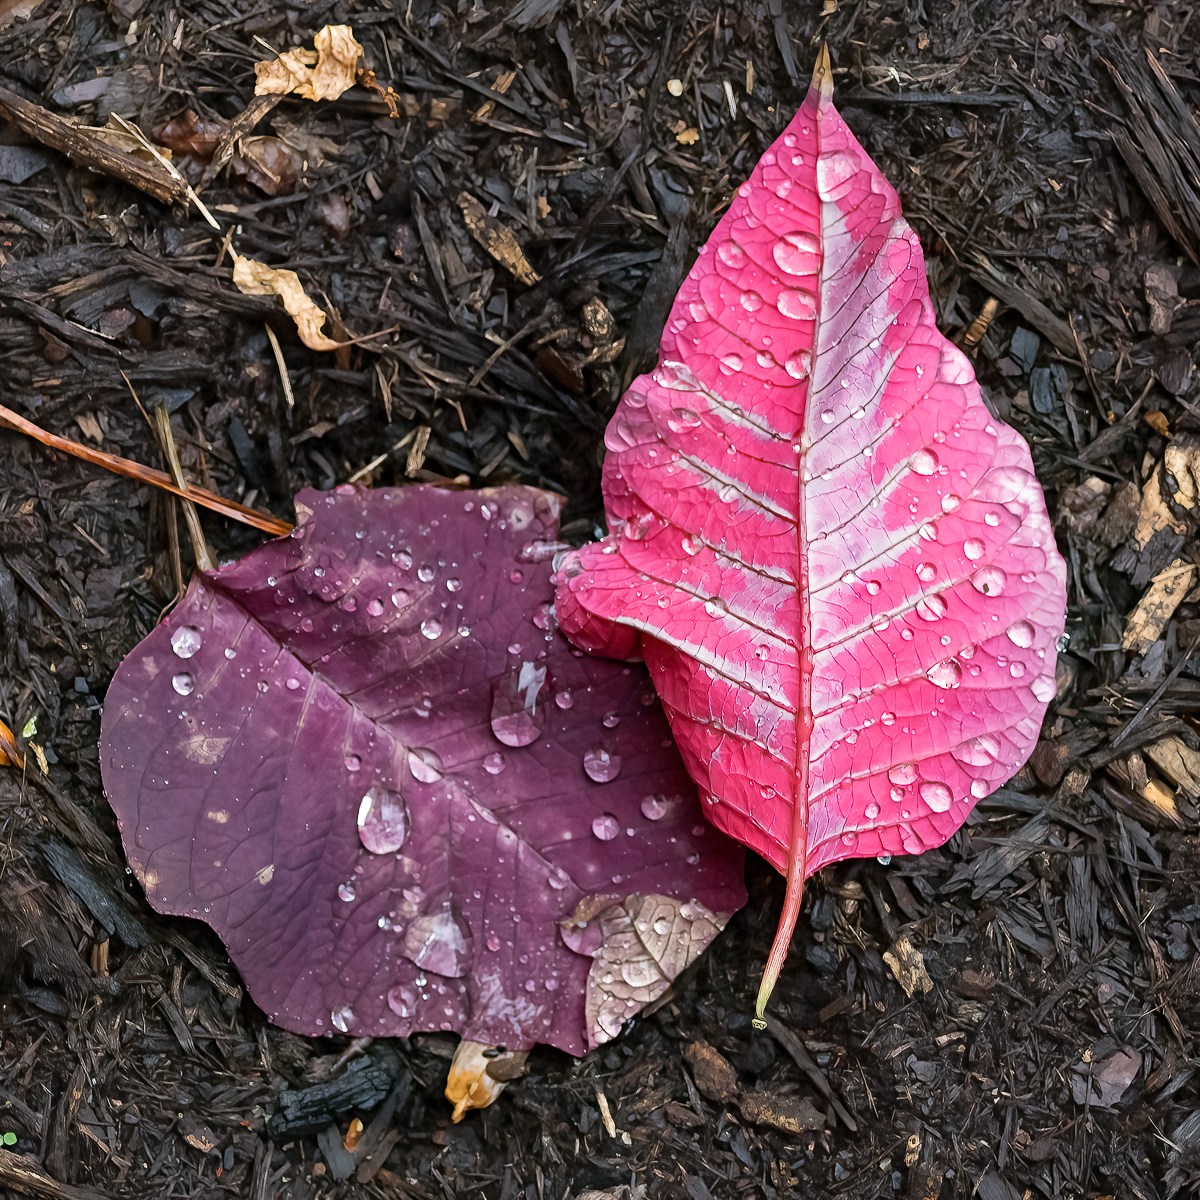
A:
<point x="436" y="943"/>
<point x="402" y="559"/>
<point x="951" y="502"/>
<point x="611" y="719"/>
<point x="342" y="1018"/>
<point x="979" y="751"/>
<point x="682" y="419"/>
<point x="874" y="587"/>
<point x="516" y="719"/>
<point x="731" y="362"/>
<point x="494" y="763"/>
<point x="797" y="304"/>
<point x="425" y="764"/>
<point x="692" y="544"/>
<point x="654" y="808"/>
<point x="184" y="683"/>
<point x="346" y="891"/>
<point x="401" y="599"/>
<point x="601" y="766"/>
<point x="1017" y="670"/>
<point x="931" y="608"/>
<point x="797" y="253"/>
<point x="946" y="674"/>
<point x="352" y="762"/>
<point x="402" y="1001"/>
<point x="453" y="584"/>
<point x="903" y="774"/>
<point x="375" y="608"/>
<point x="431" y="629"/>
<point x="425" y="572"/>
<point x="751" y="301"/>
<point x="606" y="827"/>
<point x="989" y="580"/>
<point x="1021" y="633"/>
<point x="493" y="942"/>
<point x="564" y="699"/>
<point x="926" y="572"/>
<point x="731" y="254"/>
<point x="973" y="548"/>
<point x="937" y="795"/>
<point x="799" y="364"/>
<point x="382" y="822"/>
<point x="1043" y="688"/>
<point x="185" y="641"/>
<point x="979" y="788"/>
<point x="924" y="462"/>
<point x="872" y="811"/>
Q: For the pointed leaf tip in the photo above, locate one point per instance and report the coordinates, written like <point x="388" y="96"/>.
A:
<point x="822" y="77"/>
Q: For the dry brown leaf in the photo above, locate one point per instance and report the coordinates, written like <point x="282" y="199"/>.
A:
<point x="290" y="72"/>
<point x="688" y="137"/>
<point x="1164" y="595"/>
<point x="322" y="73"/>
<point x="1179" y="763"/>
<point x="257" y="279"/>
<point x="1182" y="460"/>
<point x="713" y="1072"/>
<point x="497" y="239"/>
<point x="790" y="1113"/>
<point x="479" y="1073"/>
<point x="638" y="945"/>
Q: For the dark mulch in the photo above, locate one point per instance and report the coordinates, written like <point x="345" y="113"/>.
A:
<point x="1040" y="155"/>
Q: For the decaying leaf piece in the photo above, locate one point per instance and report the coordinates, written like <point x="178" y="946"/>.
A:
<point x="790" y="1113"/>
<point x="257" y="279"/>
<point x="497" y="239"/>
<point x="836" y="563"/>
<point x="1182" y="461"/>
<point x="10" y="752"/>
<point x="1164" y="595"/>
<point x="479" y="1073"/>
<point x="323" y="73"/>
<point x="908" y="966"/>
<point x="1154" y="516"/>
<point x="639" y="945"/>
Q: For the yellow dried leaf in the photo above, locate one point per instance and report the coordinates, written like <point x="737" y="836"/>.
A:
<point x="257" y="279"/>
<point x="688" y="137"/>
<point x="323" y="73"/>
<point x="337" y="65"/>
<point x="1149" y="619"/>
<point x="290" y="72"/>
<point x="479" y="1073"/>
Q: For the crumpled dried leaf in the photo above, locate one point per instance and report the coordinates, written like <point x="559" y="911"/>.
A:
<point x="320" y="74"/>
<point x="1179" y="763"/>
<point x="1182" y="461"/>
<point x="188" y="133"/>
<point x="497" y="239"/>
<point x="479" y="1073"/>
<point x="792" y="1114"/>
<point x="1164" y="595"/>
<point x="713" y="1072"/>
<point x="257" y="279"/>
<point x="639" y="945"/>
<point x="269" y="163"/>
<point x="121" y="139"/>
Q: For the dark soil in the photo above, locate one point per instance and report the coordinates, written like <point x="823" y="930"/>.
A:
<point x="1052" y="1053"/>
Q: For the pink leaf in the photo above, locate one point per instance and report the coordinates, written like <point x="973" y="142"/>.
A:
<point x="838" y="562"/>
<point x="365" y="756"/>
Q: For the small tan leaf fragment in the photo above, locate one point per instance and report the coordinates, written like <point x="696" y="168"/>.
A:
<point x="788" y="1113"/>
<point x="497" y="239"/>
<point x="1182" y="461"/>
<point x="688" y="137"/>
<point x="479" y="1073"/>
<point x="257" y="279"/>
<point x="322" y="73"/>
<point x="1148" y="620"/>
<point x="908" y="966"/>
<point x="713" y="1072"/>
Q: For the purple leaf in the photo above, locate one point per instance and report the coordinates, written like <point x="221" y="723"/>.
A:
<point x="365" y="756"/>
